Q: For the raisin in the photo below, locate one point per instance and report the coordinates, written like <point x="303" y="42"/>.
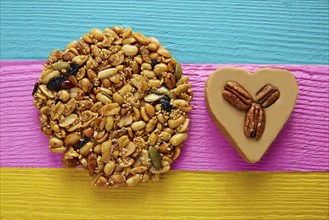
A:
<point x="66" y="84"/>
<point x="153" y="63"/>
<point x="74" y="68"/>
<point x="54" y="84"/>
<point x="35" y="89"/>
<point x="81" y="143"/>
<point x="165" y="103"/>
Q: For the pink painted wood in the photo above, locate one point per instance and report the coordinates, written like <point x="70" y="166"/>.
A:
<point x="303" y="144"/>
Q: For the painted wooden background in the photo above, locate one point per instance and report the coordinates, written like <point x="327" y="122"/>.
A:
<point x="301" y="146"/>
<point x="209" y="180"/>
<point x="196" y="31"/>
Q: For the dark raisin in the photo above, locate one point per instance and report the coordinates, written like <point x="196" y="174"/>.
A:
<point x="165" y="103"/>
<point x="54" y="84"/>
<point x="66" y="84"/>
<point x="153" y="63"/>
<point x="35" y="89"/>
<point x="74" y="68"/>
<point x="81" y="143"/>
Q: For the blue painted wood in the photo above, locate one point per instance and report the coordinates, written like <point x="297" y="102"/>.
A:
<point x="198" y="31"/>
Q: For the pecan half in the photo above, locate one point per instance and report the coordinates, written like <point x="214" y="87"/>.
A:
<point x="169" y="80"/>
<point x="54" y="56"/>
<point x="83" y="47"/>
<point x="254" y="122"/>
<point x="267" y="95"/>
<point x="118" y="133"/>
<point x="91" y="164"/>
<point x="237" y="95"/>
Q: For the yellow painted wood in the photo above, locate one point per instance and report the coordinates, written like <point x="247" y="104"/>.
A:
<point x="66" y="194"/>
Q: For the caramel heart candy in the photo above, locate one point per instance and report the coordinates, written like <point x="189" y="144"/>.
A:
<point x="250" y="109"/>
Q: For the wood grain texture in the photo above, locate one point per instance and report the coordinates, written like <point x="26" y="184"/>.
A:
<point x="301" y="146"/>
<point x="216" y="31"/>
<point x="66" y="194"/>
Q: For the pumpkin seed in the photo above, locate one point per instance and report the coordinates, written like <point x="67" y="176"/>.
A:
<point x="178" y="71"/>
<point x="155" y="158"/>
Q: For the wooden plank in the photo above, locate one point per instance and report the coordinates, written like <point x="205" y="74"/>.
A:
<point x="301" y="146"/>
<point x="66" y="194"/>
<point x="221" y="31"/>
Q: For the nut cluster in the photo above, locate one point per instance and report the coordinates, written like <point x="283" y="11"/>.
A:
<point x="240" y="98"/>
<point x="116" y="103"/>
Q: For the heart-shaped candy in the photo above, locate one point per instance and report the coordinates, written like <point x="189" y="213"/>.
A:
<point x="250" y="109"/>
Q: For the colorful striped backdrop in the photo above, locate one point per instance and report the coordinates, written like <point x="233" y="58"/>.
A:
<point x="209" y="180"/>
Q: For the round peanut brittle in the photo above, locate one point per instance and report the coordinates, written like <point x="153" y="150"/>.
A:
<point x="114" y="102"/>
